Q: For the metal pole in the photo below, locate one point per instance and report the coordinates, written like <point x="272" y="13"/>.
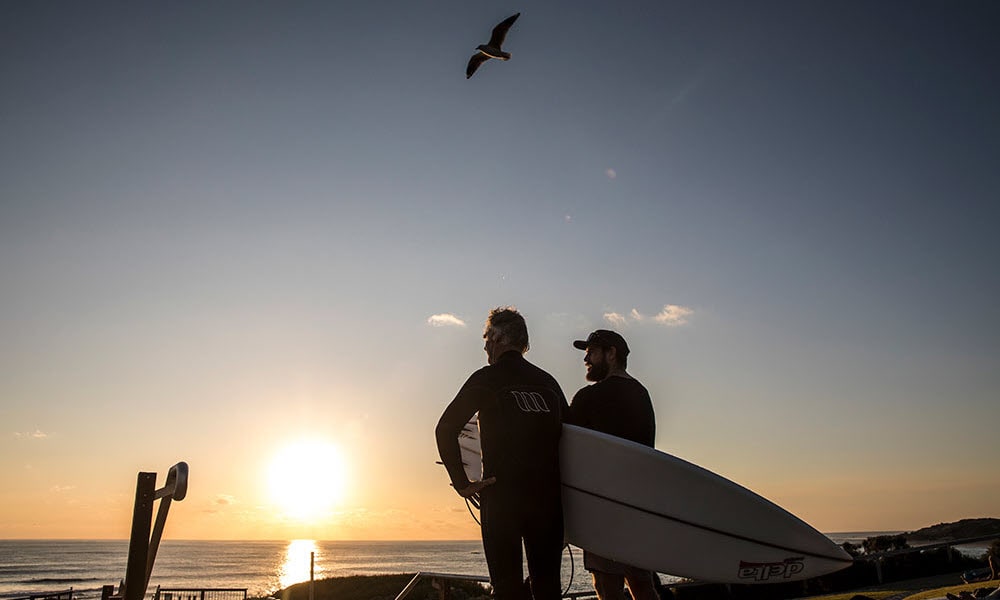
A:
<point x="312" y="581"/>
<point x="138" y="542"/>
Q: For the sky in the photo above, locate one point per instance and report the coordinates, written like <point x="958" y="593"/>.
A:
<point x="233" y="229"/>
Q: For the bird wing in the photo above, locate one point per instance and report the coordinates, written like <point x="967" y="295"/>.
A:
<point x="477" y="59"/>
<point x="500" y="31"/>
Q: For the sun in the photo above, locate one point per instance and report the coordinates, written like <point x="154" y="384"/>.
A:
<point x="307" y="479"/>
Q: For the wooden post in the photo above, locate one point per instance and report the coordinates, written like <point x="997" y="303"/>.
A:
<point x="138" y="543"/>
<point x="312" y="581"/>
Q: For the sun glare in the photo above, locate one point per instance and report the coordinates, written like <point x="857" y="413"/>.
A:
<point x="307" y="479"/>
<point x="298" y="560"/>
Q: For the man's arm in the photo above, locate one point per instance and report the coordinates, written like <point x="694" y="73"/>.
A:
<point x="454" y="418"/>
<point x="576" y="414"/>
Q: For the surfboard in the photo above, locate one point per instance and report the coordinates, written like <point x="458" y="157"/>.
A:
<point x="472" y="456"/>
<point x="647" y="508"/>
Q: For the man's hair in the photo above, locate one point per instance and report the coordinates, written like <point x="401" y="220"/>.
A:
<point x="506" y="326"/>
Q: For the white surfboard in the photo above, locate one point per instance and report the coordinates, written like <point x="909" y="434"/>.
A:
<point x="472" y="456"/>
<point x="646" y="508"/>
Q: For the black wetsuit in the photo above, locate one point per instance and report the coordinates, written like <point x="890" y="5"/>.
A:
<point x="619" y="406"/>
<point x="521" y="409"/>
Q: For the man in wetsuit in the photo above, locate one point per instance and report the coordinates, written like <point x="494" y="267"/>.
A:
<point x="521" y="408"/>
<point x="616" y="404"/>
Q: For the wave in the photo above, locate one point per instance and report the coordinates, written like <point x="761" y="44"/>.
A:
<point x="63" y="580"/>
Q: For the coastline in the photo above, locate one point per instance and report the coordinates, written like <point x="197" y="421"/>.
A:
<point x="266" y="568"/>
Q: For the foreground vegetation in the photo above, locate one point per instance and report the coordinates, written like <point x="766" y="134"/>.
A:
<point x="380" y="587"/>
<point x="883" y="569"/>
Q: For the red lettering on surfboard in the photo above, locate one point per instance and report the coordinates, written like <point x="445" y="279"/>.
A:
<point x="771" y="570"/>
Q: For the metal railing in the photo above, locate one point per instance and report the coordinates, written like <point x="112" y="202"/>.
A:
<point x="439" y="582"/>
<point x="60" y="595"/>
<point x="163" y="593"/>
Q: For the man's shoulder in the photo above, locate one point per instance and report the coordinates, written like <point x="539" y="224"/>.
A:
<point x="613" y="388"/>
<point x="585" y="392"/>
<point x="480" y="377"/>
<point x="540" y="372"/>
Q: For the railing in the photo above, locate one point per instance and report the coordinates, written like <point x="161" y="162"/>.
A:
<point x="879" y="557"/>
<point x="934" y="546"/>
<point x="200" y="593"/>
<point x="60" y="595"/>
<point x="439" y="582"/>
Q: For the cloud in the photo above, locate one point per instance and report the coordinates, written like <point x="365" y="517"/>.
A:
<point x="59" y="489"/>
<point x="611" y="173"/>
<point x="445" y="320"/>
<point x="615" y="319"/>
<point x="28" y="435"/>
<point x="673" y="315"/>
<point x="224" y="499"/>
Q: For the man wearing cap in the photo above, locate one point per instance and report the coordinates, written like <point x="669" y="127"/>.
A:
<point x="616" y="404"/>
<point x="521" y="409"/>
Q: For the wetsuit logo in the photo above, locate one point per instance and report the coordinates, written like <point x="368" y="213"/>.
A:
<point x="773" y="570"/>
<point x="530" y="401"/>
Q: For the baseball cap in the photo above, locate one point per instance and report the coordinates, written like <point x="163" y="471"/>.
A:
<point x="605" y="339"/>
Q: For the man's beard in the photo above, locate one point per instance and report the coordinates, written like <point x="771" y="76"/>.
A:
<point x="598" y="372"/>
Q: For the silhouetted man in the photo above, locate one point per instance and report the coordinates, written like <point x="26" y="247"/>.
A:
<point x="521" y="408"/>
<point x="616" y="404"/>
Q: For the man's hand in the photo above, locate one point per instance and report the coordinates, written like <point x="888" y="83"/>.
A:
<point x="474" y="487"/>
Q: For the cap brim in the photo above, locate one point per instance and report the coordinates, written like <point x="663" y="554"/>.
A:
<point x="580" y="344"/>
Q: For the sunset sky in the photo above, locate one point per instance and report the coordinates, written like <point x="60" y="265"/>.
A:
<point x="228" y="229"/>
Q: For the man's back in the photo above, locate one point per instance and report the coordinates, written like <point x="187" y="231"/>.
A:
<point x="618" y="406"/>
<point x="521" y="408"/>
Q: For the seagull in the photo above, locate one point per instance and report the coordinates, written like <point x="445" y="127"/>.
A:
<point x="492" y="49"/>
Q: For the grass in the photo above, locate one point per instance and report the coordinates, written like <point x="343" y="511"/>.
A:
<point x="925" y="594"/>
<point x="379" y="587"/>
<point x="953" y="589"/>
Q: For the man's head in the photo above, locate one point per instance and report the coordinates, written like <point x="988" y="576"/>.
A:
<point x="505" y="330"/>
<point x="606" y="351"/>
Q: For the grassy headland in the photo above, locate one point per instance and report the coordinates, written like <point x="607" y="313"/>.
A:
<point x="380" y="587"/>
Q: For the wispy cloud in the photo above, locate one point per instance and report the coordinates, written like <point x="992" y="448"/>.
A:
<point x="220" y="500"/>
<point x="445" y="320"/>
<point x="59" y="489"/>
<point x="616" y="319"/>
<point x="673" y="315"/>
<point x="31" y="435"/>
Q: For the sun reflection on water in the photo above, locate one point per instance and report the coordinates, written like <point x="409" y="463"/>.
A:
<point x="295" y="569"/>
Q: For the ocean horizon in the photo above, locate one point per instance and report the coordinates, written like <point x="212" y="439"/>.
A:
<point x="261" y="566"/>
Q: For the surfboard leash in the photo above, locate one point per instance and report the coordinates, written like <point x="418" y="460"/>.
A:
<point x="572" y="569"/>
<point x="471" y="501"/>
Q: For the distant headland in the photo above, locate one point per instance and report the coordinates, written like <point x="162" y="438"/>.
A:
<point x="965" y="528"/>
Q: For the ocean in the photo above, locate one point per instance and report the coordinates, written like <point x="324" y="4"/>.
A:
<point x="32" y="566"/>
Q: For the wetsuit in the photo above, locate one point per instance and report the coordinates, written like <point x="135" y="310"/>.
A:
<point x="521" y="408"/>
<point x="619" y="406"/>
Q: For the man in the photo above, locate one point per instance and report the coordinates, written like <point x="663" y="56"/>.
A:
<point x="616" y="404"/>
<point x="521" y="408"/>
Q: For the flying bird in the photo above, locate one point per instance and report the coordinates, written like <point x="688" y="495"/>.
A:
<point x="492" y="49"/>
